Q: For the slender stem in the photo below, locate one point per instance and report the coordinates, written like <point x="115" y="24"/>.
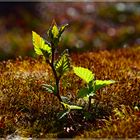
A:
<point x="53" y="54"/>
<point x="57" y="79"/>
<point x="89" y="103"/>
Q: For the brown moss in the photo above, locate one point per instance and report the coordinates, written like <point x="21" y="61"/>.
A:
<point x="25" y="108"/>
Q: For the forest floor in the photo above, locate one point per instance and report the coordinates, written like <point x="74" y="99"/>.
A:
<point x="28" y="111"/>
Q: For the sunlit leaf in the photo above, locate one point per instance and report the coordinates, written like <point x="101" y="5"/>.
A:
<point x="40" y="46"/>
<point x="55" y="31"/>
<point x="84" y="73"/>
<point x="71" y="107"/>
<point x="62" y="29"/>
<point x="75" y="107"/>
<point x="63" y="63"/>
<point x="102" y="83"/>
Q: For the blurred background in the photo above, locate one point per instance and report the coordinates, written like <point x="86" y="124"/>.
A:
<point x="92" y="26"/>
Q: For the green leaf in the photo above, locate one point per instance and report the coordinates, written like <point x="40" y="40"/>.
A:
<point x="45" y="54"/>
<point x="48" y="88"/>
<point x="55" y="31"/>
<point x="63" y="63"/>
<point x="62" y="29"/>
<point x="63" y="113"/>
<point x="71" y="107"/>
<point x="53" y="34"/>
<point x="84" y="73"/>
<point x="91" y="86"/>
<point x="40" y="46"/>
<point x="102" y="83"/>
<point x="83" y="93"/>
<point x="75" y="107"/>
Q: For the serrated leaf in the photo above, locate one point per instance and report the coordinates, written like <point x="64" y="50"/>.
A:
<point x="48" y="88"/>
<point x="84" y="73"/>
<point x="71" y="107"/>
<point x="55" y="31"/>
<point x="45" y="54"/>
<point x="62" y="64"/>
<point x="40" y="46"/>
<point x="102" y="83"/>
<point x="62" y="28"/>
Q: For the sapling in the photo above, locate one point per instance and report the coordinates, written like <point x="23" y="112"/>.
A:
<point x="60" y="66"/>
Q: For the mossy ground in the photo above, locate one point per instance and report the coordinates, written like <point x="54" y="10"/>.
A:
<point x="30" y="112"/>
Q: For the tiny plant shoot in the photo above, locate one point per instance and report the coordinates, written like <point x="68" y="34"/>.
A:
<point x="60" y="66"/>
<point x="47" y="49"/>
<point x="92" y="85"/>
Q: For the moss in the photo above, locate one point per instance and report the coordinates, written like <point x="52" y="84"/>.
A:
<point x="28" y="110"/>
